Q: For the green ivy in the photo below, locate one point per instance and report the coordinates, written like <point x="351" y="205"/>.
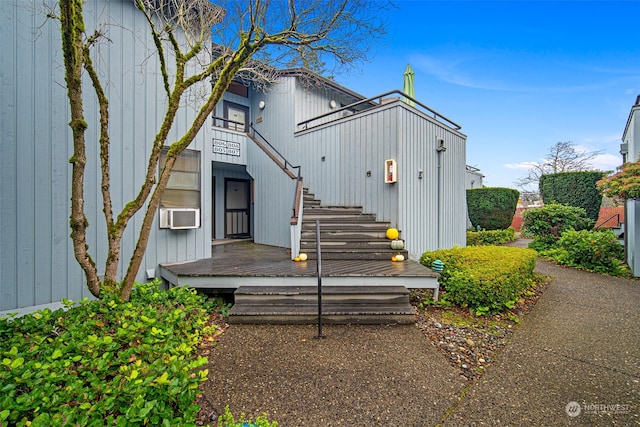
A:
<point x="485" y="279"/>
<point x="105" y="362"/>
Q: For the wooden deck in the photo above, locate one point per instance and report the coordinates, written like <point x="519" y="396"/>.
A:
<point x="248" y="264"/>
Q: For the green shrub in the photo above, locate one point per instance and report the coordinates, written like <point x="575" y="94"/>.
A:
<point x="597" y="251"/>
<point x="490" y="237"/>
<point x="228" y="420"/>
<point x="547" y="223"/>
<point x="573" y="189"/>
<point x="106" y="363"/>
<point x="492" y="208"/>
<point x="486" y="279"/>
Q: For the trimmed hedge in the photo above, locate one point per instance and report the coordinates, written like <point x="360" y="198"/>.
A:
<point x="490" y="237"/>
<point x="486" y="279"/>
<point x="574" y="189"/>
<point x="492" y="208"/>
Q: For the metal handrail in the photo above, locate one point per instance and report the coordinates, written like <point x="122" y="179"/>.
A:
<point x="607" y="220"/>
<point x="287" y="165"/>
<point x="284" y="160"/>
<point x="222" y="119"/>
<point x="439" y="117"/>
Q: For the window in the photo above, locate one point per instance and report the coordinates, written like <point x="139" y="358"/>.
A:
<point x="236" y="115"/>
<point x="183" y="188"/>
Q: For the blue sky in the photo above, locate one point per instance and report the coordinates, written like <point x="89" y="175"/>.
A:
<point x="518" y="76"/>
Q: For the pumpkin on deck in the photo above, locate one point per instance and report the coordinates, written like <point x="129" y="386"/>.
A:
<point x="392" y="233"/>
<point x="397" y="258"/>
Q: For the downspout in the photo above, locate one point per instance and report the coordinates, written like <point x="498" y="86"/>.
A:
<point x="624" y="150"/>
<point x="440" y="149"/>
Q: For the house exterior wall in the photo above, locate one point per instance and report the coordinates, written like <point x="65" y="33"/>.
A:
<point x="37" y="265"/>
<point x="473" y="178"/>
<point x="342" y="159"/>
<point x="631" y="137"/>
<point x="338" y="157"/>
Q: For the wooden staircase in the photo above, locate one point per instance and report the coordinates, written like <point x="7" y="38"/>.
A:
<point x="345" y="233"/>
<point x="341" y="305"/>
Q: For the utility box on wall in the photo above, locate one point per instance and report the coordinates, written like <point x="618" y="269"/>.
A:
<point x="390" y="171"/>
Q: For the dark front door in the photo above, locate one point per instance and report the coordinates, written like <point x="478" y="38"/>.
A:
<point x="237" y="204"/>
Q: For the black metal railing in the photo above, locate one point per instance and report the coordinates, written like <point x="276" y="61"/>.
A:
<point x="602" y="224"/>
<point x="377" y="101"/>
<point x="288" y="167"/>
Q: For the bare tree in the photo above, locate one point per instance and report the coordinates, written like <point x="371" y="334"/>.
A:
<point x="562" y="157"/>
<point x="252" y="39"/>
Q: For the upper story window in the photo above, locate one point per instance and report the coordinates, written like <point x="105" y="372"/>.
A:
<point x="236" y="116"/>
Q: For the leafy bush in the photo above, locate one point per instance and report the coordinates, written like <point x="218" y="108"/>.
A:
<point x="547" y="223"/>
<point x="106" y="363"/>
<point x="492" y="208"/>
<point x="490" y="237"/>
<point x="574" y="189"/>
<point x="597" y="251"/>
<point x="486" y="279"/>
<point x="228" y="420"/>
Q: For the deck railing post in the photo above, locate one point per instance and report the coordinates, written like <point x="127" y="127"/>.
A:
<point x="319" y="271"/>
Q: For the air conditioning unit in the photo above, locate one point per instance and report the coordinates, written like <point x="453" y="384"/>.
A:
<point x="179" y="218"/>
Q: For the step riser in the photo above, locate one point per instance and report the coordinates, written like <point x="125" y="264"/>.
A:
<point x="340" y="305"/>
<point x="364" y="256"/>
<point x="377" y="229"/>
<point x="283" y="300"/>
<point x="326" y="244"/>
<point x="342" y="218"/>
<point x="404" y="319"/>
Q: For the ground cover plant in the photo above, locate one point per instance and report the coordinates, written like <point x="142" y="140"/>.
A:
<point x="484" y="279"/>
<point x="106" y="362"/>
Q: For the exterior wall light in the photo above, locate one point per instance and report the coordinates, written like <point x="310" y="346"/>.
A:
<point x="262" y="104"/>
<point x="332" y="104"/>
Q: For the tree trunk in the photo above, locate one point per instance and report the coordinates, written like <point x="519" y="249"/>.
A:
<point x="72" y="27"/>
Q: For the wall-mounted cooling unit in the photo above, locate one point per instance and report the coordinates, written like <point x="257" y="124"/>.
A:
<point x="179" y="218"/>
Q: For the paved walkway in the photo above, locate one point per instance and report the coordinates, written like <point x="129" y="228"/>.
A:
<point x="574" y="361"/>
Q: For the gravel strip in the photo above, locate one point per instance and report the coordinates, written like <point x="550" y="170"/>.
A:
<point x="357" y="375"/>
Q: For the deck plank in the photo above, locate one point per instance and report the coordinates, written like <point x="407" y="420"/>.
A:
<point x="246" y="259"/>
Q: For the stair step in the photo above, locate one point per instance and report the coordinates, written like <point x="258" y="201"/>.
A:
<point x="341" y="304"/>
<point x="330" y="225"/>
<point x="337" y="217"/>
<point x="356" y="255"/>
<point x="345" y="244"/>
